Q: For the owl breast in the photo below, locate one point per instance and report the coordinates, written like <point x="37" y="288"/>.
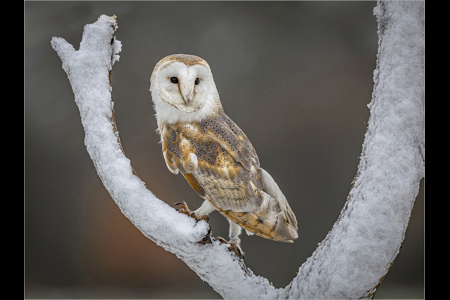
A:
<point x="220" y="164"/>
<point x="218" y="158"/>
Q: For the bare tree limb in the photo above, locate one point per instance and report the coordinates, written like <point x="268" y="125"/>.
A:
<point x="360" y="248"/>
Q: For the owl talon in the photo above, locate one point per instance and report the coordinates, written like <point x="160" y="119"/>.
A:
<point x="182" y="204"/>
<point x="186" y="211"/>
<point x="205" y="217"/>
<point x="234" y="246"/>
<point x="238" y="250"/>
<point x="206" y="239"/>
<point x="183" y="209"/>
<point x="222" y="240"/>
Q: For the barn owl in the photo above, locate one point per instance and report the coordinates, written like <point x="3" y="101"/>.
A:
<point x="214" y="155"/>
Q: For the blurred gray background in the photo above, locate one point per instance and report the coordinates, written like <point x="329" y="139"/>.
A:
<point x="295" y="76"/>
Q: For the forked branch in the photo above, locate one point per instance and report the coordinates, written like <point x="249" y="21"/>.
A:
<point x="365" y="239"/>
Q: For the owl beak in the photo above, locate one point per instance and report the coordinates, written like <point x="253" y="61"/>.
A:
<point x="187" y="92"/>
<point x="187" y="100"/>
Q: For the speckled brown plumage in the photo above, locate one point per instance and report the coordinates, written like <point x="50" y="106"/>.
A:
<point x="221" y="165"/>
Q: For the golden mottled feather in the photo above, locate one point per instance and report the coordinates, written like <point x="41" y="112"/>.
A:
<point x="221" y="165"/>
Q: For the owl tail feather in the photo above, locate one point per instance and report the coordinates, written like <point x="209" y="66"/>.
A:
<point x="269" y="221"/>
<point x="280" y="218"/>
<point x="271" y="227"/>
<point x="271" y="188"/>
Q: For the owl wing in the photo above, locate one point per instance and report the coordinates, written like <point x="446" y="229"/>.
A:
<point x="221" y="165"/>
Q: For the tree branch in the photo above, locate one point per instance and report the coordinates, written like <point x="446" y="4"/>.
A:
<point x="357" y="253"/>
<point x="365" y="239"/>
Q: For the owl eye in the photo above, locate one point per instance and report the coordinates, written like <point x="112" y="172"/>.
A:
<point x="173" y="79"/>
<point x="197" y="81"/>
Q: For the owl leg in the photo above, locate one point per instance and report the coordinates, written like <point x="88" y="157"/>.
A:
<point x="204" y="210"/>
<point x="235" y="241"/>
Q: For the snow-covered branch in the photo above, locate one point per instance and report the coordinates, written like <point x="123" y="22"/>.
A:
<point x="364" y="241"/>
<point x="88" y="71"/>
<point x="359" y="250"/>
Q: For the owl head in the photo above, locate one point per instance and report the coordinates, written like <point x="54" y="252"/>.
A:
<point x="183" y="89"/>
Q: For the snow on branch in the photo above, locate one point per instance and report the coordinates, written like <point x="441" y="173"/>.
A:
<point x="88" y="70"/>
<point x="364" y="241"/>
<point x="359" y="250"/>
